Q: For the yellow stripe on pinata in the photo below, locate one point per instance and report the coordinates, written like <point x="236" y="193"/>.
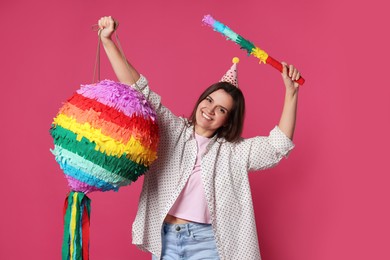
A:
<point x="260" y="54"/>
<point x="106" y="144"/>
<point x="73" y="225"/>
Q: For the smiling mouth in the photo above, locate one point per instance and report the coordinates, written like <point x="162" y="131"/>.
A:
<point x="206" y="116"/>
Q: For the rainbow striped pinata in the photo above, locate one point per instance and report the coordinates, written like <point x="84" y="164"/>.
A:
<point x="105" y="136"/>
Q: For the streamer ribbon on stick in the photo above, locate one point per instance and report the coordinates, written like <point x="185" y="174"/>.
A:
<point x="245" y="44"/>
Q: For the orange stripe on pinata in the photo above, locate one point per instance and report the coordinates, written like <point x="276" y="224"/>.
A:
<point x="133" y="148"/>
<point x="119" y="133"/>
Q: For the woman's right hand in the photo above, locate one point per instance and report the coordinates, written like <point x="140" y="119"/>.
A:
<point x="107" y="26"/>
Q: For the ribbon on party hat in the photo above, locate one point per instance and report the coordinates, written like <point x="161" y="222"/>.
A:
<point x="245" y="44"/>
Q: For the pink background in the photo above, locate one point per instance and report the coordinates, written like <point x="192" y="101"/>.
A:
<point x="328" y="200"/>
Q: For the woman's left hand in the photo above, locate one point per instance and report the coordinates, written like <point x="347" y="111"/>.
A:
<point x="289" y="75"/>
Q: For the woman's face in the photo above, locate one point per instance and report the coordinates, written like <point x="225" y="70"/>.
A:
<point x="213" y="112"/>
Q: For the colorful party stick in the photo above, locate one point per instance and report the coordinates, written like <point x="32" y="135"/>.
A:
<point x="245" y="44"/>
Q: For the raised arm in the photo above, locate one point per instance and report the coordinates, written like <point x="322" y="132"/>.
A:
<point x="289" y="114"/>
<point x="125" y="73"/>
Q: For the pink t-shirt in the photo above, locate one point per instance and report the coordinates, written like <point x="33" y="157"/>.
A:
<point x="191" y="203"/>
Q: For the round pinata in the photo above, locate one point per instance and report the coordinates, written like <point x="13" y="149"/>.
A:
<point x="105" y="136"/>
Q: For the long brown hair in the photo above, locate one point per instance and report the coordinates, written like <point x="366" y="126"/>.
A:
<point x="232" y="130"/>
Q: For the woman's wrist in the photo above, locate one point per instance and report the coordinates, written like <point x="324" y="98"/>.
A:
<point x="105" y="39"/>
<point x="292" y="93"/>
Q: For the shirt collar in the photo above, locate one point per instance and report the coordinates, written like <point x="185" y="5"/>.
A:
<point x="190" y="134"/>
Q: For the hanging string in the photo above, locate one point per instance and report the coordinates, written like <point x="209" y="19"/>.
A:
<point x="97" y="60"/>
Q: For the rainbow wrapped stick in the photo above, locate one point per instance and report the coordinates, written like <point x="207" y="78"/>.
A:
<point x="105" y="137"/>
<point x="245" y="44"/>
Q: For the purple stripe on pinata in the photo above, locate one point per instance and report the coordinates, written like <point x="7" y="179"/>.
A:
<point x="119" y="96"/>
<point x="76" y="185"/>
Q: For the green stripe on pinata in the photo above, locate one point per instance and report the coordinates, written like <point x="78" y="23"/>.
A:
<point x="118" y="165"/>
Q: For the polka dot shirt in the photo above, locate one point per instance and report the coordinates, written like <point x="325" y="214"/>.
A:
<point x="225" y="168"/>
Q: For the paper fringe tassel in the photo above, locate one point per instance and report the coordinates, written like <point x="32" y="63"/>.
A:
<point x="75" y="244"/>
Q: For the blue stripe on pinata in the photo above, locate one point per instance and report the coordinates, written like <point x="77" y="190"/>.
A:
<point x="85" y="177"/>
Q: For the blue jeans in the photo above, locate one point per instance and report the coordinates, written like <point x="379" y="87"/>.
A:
<point x="190" y="241"/>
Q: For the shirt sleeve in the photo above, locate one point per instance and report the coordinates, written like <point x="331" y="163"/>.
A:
<point x="264" y="152"/>
<point x="142" y="85"/>
<point x="166" y="119"/>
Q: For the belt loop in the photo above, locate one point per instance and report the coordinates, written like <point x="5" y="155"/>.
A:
<point x="165" y="228"/>
<point x="188" y="229"/>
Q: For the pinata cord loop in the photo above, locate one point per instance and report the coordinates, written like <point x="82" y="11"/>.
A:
<point x="97" y="60"/>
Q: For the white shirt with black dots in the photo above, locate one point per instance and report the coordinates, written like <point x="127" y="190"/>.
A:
<point x="225" y="168"/>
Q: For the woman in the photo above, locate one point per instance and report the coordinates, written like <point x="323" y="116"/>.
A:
<point x="195" y="201"/>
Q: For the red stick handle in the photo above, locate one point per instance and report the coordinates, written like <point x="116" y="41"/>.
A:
<point x="277" y="65"/>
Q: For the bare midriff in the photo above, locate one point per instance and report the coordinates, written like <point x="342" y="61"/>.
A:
<point x="174" y="220"/>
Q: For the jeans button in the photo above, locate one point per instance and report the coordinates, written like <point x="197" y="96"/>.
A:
<point x="178" y="228"/>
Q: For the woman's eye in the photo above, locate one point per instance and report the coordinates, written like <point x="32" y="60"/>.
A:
<point x="208" y="99"/>
<point x="223" y="111"/>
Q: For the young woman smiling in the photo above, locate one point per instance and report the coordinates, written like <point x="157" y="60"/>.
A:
<point x="195" y="201"/>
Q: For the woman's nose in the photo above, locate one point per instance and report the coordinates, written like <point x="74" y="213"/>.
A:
<point x="211" y="109"/>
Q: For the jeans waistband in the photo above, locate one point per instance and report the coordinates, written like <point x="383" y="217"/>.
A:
<point x="187" y="227"/>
